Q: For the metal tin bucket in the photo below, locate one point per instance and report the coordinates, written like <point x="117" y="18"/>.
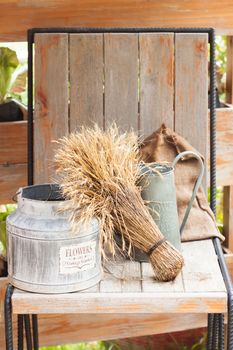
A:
<point x="44" y="255"/>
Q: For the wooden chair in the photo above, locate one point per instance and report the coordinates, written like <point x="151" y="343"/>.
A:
<point x="149" y="76"/>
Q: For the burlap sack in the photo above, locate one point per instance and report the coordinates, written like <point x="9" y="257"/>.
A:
<point x="164" y="145"/>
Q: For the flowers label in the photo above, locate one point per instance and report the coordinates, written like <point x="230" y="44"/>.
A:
<point x="77" y="258"/>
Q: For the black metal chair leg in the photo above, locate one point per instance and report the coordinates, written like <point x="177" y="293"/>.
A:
<point x="20" y="333"/>
<point x="28" y="332"/>
<point x="210" y="331"/>
<point x="221" y="332"/>
<point x="8" y="318"/>
<point x="230" y="323"/>
<point x="215" y="339"/>
<point x="35" y="332"/>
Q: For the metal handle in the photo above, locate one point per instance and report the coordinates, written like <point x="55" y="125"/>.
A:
<point x="196" y="186"/>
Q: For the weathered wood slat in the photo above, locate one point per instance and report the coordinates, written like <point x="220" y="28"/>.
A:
<point x="51" y="96"/>
<point x="71" y="328"/>
<point x="120" y="303"/>
<point x="12" y="177"/>
<point x="228" y="190"/>
<point x="191" y="89"/>
<point x="105" y="13"/>
<point x="132" y="278"/>
<point x="156" y="81"/>
<point x="121" y="80"/>
<point x="86" y="80"/>
<point x="224" y="159"/>
<point x="3" y="284"/>
<point x="106" y="327"/>
<point x="201" y="270"/>
<point x="224" y="125"/>
<point x="13" y="142"/>
<point x="228" y="216"/>
<point x="121" y="277"/>
<point x="201" y="290"/>
<point x="149" y="284"/>
<point x="62" y="329"/>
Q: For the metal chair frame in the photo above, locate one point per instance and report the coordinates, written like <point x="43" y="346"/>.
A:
<point x="215" y="340"/>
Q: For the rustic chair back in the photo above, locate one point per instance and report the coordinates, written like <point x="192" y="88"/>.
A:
<point x="138" y="80"/>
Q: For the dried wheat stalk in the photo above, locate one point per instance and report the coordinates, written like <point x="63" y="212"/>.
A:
<point x="98" y="174"/>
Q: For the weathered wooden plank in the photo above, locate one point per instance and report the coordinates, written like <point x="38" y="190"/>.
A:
<point x="12" y="177"/>
<point x="224" y="125"/>
<point x="191" y="89"/>
<point x="122" y="276"/>
<point x="113" y="274"/>
<point x="121" y="80"/>
<point x="120" y="303"/>
<point x="71" y="328"/>
<point x="3" y="284"/>
<point x="51" y="96"/>
<point x="86" y="80"/>
<point x="229" y="261"/>
<point x="62" y="329"/>
<point x="132" y="277"/>
<point x="229" y="73"/>
<point x="150" y="285"/>
<point x="201" y="271"/>
<point x="156" y="81"/>
<point x="105" y="13"/>
<point x="13" y="142"/>
<point x="224" y="159"/>
<point x="228" y="190"/>
<point x="228" y="216"/>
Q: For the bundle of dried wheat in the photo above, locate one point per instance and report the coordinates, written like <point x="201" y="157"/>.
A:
<point x="98" y="174"/>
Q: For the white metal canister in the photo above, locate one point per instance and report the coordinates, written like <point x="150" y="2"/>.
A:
<point x="44" y="255"/>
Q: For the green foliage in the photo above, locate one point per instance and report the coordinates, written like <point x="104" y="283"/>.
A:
<point x="80" y="346"/>
<point x="5" y="210"/>
<point x="11" y="73"/>
<point x="219" y="206"/>
<point x="221" y="57"/>
<point x="199" y="345"/>
<point x="221" y="65"/>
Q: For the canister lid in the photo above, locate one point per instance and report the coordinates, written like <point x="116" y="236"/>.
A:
<point x="40" y="209"/>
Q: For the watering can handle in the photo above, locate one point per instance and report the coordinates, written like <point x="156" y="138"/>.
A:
<point x="196" y="186"/>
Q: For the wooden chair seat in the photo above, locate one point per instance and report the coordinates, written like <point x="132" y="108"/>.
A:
<point x="129" y="287"/>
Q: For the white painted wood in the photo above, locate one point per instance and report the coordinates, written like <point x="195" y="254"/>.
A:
<point x="150" y="285"/>
<point x="100" y="303"/>
<point x="201" y="271"/>
<point x="122" y="276"/>
<point x="193" y="297"/>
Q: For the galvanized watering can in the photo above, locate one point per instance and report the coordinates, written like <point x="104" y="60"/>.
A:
<point x="159" y="192"/>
